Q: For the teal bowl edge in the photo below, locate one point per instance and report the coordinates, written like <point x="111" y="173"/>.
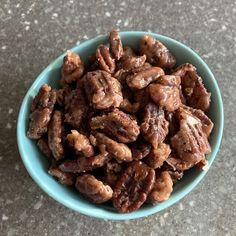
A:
<point x="114" y="215"/>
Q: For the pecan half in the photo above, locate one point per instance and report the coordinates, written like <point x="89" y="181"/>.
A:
<point x="41" y="111"/>
<point x="143" y="78"/>
<point x="162" y="188"/>
<point x="62" y="177"/>
<point x="132" y="187"/>
<point x="116" y="47"/>
<point x="119" y="151"/>
<point x="157" y="156"/>
<point x="55" y="135"/>
<point x="165" y="92"/>
<point x="103" y="91"/>
<point x="72" y="68"/>
<point x="93" y="189"/>
<point x="157" y="53"/>
<point x="80" y="143"/>
<point x="44" y="148"/>
<point x="82" y="164"/>
<point x="118" y="125"/>
<point x="193" y="88"/>
<point x="154" y="127"/>
<point x="105" y="60"/>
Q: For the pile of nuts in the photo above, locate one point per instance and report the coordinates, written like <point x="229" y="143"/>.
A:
<point x="125" y="127"/>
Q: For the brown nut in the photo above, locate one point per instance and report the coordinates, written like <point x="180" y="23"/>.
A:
<point x="72" y="68"/>
<point x="105" y="60"/>
<point x="140" y="150"/>
<point x="76" y="108"/>
<point x="156" y="157"/>
<point x="154" y="127"/>
<point x="80" y="143"/>
<point x="55" y="135"/>
<point x="162" y="188"/>
<point x="119" y="151"/>
<point x="93" y="189"/>
<point x="83" y="164"/>
<point x="157" y="53"/>
<point x="103" y="91"/>
<point x="62" y="177"/>
<point x="143" y="78"/>
<point x="193" y="88"/>
<point x="41" y="111"/>
<point x="165" y="92"/>
<point x="117" y="125"/>
<point x="116" y="47"/>
<point x="132" y="187"/>
<point x="44" y="148"/>
<point x="190" y="142"/>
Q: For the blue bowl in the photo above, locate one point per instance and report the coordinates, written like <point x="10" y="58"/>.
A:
<point x="37" y="165"/>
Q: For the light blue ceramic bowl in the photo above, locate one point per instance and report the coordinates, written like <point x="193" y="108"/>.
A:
<point x="37" y="165"/>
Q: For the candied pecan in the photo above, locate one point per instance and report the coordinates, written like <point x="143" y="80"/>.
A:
<point x="203" y="164"/>
<point x="157" y="53"/>
<point x="193" y="88"/>
<point x="154" y="127"/>
<point x="55" y="135"/>
<point x="62" y="94"/>
<point x="118" y="125"/>
<point x="157" y="156"/>
<point x="93" y="189"/>
<point x="112" y="170"/>
<point x="162" y="188"/>
<point x="119" y="151"/>
<point x="140" y="150"/>
<point x="130" y="62"/>
<point x="72" y="68"/>
<point x="116" y="47"/>
<point x="165" y="92"/>
<point x="63" y="178"/>
<point x="178" y="164"/>
<point x="76" y="108"/>
<point x="106" y="62"/>
<point x="175" y="174"/>
<point x="82" y="164"/>
<point x="126" y="105"/>
<point x="143" y="78"/>
<point x="132" y="187"/>
<point x="103" y="91"/>
<point x="173" y="124"/>
<point x="190" y="141"/>
<point x="44" y="148"/>
<point x="80" y="143"/>
<point x="41" y="111"/>
<point x="207" y="124"/>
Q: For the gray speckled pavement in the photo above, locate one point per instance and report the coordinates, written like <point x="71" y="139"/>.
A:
<point x="33" y="33"/>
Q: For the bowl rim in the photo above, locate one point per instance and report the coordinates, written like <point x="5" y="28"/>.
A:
<point x="115" y="215"/>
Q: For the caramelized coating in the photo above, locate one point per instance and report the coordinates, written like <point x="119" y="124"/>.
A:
<point x="62" y="177"/>
<point x="80" y="143"/>
<point x="41" y="111"/>
<point x="44" y="148"/>
<point x="72" y="68"/>
<point x="116" y="47"/>
<point x="157" y="156"/>
<point x="55" y="135"/>
<point x="193" y="88"/>
<point x="93" y="189"/>
<point x="105" y="60"/>
<point x="76" y="108"/>
<point x="103" y="91"/>
<point x="117" y="125"/>
<point x="132" y="187"/>
<point x="154" y="127"/>
<point x="143" y="78"/>
<point x="157" y="53"/>
<point x="165" y="92"/>
<point x="190" y="142"/>
<point x="119" y="151"/>
<point x="162" y="188"/>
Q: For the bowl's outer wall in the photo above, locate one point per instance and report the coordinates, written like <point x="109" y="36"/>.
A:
<point x="37" y="165"/>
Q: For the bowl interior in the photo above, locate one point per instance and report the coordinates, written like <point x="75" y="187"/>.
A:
<point x="37" y="165"/>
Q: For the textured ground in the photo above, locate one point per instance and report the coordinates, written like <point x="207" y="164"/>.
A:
<point x="33" y="33"/>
